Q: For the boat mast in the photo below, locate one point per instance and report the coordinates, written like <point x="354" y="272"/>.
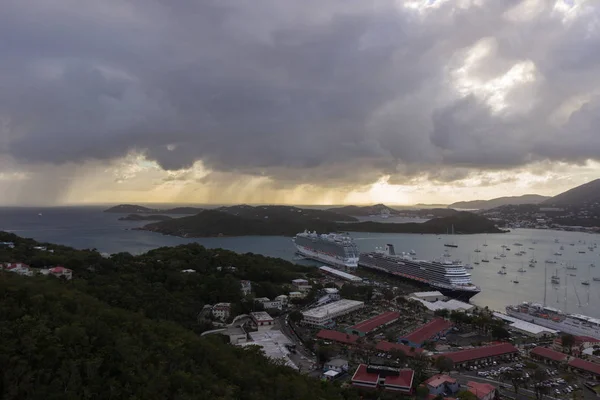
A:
<point x="566" y="287"/>
<point x="545" y="282"/>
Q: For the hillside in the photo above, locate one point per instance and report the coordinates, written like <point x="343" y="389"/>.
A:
<point x="219" y="223"/>
<point x="122" y="331"/>
<point x="587" y="193"/>
<point x="151" y="217"/>
<point x="135" y="209"/>
<point x="285" y="213"/>
<point x="498" y="202"/>
<point x="364" y="211"/>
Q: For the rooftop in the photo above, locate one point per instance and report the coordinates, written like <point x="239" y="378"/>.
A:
<point x="404" y="378"/>
<point x="388" y="346"/>
<point x="375" y="322"/>
<point x="549" y="353"/>
<point x="428" y="330"/>
<point x="261" y="316"/>
<point x="341" y="274"/>
<point x="399" y="378"/>
<point x="480" y="389"/>
<point x="524" y="325"/>
<point x="273" y="344"/>
<point x="587" y="366"/>
<point x="428" y="294"/>
<point x="336" y="336"/>
<point x="451" y="304"/>
<point x="361" y="375"/>
<point x="481" y="352"/>
<point x="438" y="380"/>
<point x="337" y="362"/>
<point x="326" y="309"/>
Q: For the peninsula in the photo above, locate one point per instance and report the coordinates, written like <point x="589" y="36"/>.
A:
<point x="151" y="217"/>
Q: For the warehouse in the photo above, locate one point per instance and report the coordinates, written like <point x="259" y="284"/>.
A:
<point x="525" y="327"/>
<point x="340" y="274"/>
<point x="325" y="314"/>
<point x="430" y="331"/>
<point x="463" y="358"/>
<point x="365" y="327"/>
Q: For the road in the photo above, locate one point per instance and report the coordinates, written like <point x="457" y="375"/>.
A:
<point x="305" y="359"/>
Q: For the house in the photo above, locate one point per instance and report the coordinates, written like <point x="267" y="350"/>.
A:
<point x="464" y="358"/>
<point x="188" y="271"/>
<point x="269" y="304"/>
<point x="483" y="391"/>
<point x="282" y="298"/>
<point x="262" y="320"/>
<point x="388" y="378"/>
<point x="296" y="295"/>
<point x="337" y="364"/>
<point x="433" y="330"/>
<point x="19" y="268"/>
<point x="548" y="356"/>
<point x="441" y="384"/>
<point x="246" y="287"/>
<point x="61" y="272"/>
<point x="222" y="311"/>
<point x="236" y="335"/>
<point x="299" y="282"/>
<point x="333" y="293"/>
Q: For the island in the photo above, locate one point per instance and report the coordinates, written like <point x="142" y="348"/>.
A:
<point x="275" y="221"/>
<point x="151" y="217"/>
<point x="136" y="209"/>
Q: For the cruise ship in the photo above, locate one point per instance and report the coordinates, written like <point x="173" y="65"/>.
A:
<point x="449" y="277"/>
<point x="331" y="248"/>
<point x="574" y="324"/>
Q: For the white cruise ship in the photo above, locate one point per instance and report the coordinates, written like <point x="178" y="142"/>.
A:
<point x="334" y="249"/>
<point x="574" y="324"/>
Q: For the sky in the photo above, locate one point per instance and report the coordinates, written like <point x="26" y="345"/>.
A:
<point x="298" y="102"/>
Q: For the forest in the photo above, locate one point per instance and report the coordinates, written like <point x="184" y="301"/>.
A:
<point x="127" y="327"/>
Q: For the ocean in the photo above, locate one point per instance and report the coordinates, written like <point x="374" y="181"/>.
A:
<point x="89" y="227"/>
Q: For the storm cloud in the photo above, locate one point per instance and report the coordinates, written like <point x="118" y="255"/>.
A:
<point x="319" y="91"/>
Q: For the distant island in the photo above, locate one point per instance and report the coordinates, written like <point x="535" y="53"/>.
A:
<point x="135" y="209"/>
<point x="582" y="195"/>
<point x="288" y="221"/>
<point x="152" y="217"/>
<point x="365" y="211"/>
<point x="498" y="202"/>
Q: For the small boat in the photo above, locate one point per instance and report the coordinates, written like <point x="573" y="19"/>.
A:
<point x="593" y="265"/>
<point x="485" y="260"/>
<point x="571" y="267"/>
<point x="504" y="267"/>
<point x="507" y="249"/>
<point x="572" y="244"/>
<point x="476" y="263"/>
<point x="551" y="261"/>
<point x="562" y="247"/>
<point x="515" y="281"/>
<point x="555" y="280"/>
<point x="581" y="251"/>
<point x="502" y="272"/>
<point x="502" y="255"/>
<point x="586" y="283"/>
<point x="518" y="244"/>
<point x="522" y="269"/>
<point x="412" y="253"/>
<point x="572" y="275"/>
<point x="555" y="240"/>
<point x="532" y="265"/>
<point x="558" y="253"/>
<point x="468" y="266"/>
<point x="477" y="251"/>
<point x="596" y="279"/>
<point x="484" y="244"/>
<point x="496" y="258"/>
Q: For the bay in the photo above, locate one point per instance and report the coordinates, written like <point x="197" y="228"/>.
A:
<point x="89" y="227"/>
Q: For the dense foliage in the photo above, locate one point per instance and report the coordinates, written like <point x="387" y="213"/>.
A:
<point x="124" y="327"/>
<point x="268" y="222"/>
<point x="151" y="217"/>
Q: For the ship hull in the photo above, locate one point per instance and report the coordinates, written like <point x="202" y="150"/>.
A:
<point x="454" y="292"/>
<point x="558" y="326"/>
<point x="349" y="263"/>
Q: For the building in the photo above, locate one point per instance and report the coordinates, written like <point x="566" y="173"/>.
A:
<point x="221" y="311"/>
<point x="464" y="358"/>
<point x="337" y="364"/>
<point x="429" y="296"/>
<point x="325" y="314"/>
<point x="333" y="293"/>
<point x="296" y="295"/>
<point x="262" y="320"/>
<point x="585" y="367"/>
<point x="431" y="331"/>
<point x="371" y="325"/>
<point x="282" y="298"/>
<point x="483" y="391"/>
<point x="340" y="274"/>
<point x="375" y="376"/>
<point x="330" y="375"/>
<point x="19" y="268"/>
<point x="61" y="272"/>
<point x="450" y="305"/>
<point x="246" y="287"/>
<point x="588" y="354"/>
<point x="188" y="271"/>
<point x="441" y="385"/>
<point x="526" y="328"/>
<point x="336" y="336"/>
<point x="237" y="335"/>
<point x="388" y="347"/>
<point x="299" y="282"/>
<point x="580" y="343"/>
<point x="548" y="356"/>
<point x="273" y="343"/>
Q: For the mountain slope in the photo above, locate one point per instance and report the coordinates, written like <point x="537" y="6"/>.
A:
<point x="135" y="209"/>
<point x="364" y="211"/>
<point x="580" y="195"/>
<point x="500" y="201"/>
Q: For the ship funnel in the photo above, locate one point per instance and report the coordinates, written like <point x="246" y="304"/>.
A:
<point x="390" y="249"/>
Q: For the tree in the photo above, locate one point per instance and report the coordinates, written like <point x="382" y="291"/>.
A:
<point x="419" y="363"/>
<point x="428" y="345"/>
<point x="422" y="392"/>
<point x="538" y="376"/>
<point x="516" y="378"/>
<point x="443" y="363"/>
<point x="399" y="356"/>
<point x="466" y="395"/>
<point x="499" y="333"/>
<point x="444" y="313"/>
<point x="296" y="316"/>
<point x="568" y="341"/>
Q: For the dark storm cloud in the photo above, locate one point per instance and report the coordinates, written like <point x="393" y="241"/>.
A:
<point x="299" y="92"/>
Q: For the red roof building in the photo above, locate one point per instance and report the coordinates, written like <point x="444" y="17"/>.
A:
<point x="548" y="354"/>
<point x="336" y="336"/>
<point x="370" y="376"/>
<point x="481" y="353"/>
<point x="483" y="391"/>
<point x="585" y="366"/>
<point x="441" y="384"/>
<point x="429" y="331"/>
<point x="373" y="324"/>
<point x="388" y="346"/>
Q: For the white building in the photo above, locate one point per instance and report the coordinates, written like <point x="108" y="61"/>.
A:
<point x="300" y="282"/>
<point x="340" y="274"/>
<point x="296" y="295"/>
<point x="236" y="335"/>
<point x="272" y="305"/>
<point x="337" y="365"/>
<point x="282" y="298"/>
<point x="188" y="271"/>
<point x="246" y="287"/>
<point x="525" y="327"/>
<point x="325" y="314"/>
<point x="273" y="343"/>
<point x="222" y="311"/>
<point x="333" y="293"/>
<point x="429" y="296"/>
<point x="450" y="305"/>
<point x="19" y="268"/>
<point x="61" y="272"/>
<point x="262" y="320"/>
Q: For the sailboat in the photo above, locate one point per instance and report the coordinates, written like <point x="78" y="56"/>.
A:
<point x="586" y="283"/>
<point x="451" y="244"/>
<point x="468" y="264"/>
<point x="485" y="244"/>
<point x="515" y="281"/>
<point x="477" y="250"/>
<point x="502" y="272"/>
<point x="485" y="259"/>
